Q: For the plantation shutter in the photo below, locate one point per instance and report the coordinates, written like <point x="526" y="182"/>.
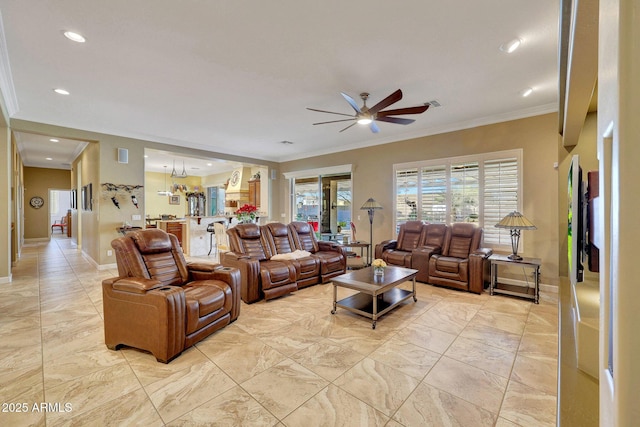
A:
<point x="464" y="192"/>
<point x="500" y="197"/>
<point x="406" y="195"/>
<point x="433" y="195"/>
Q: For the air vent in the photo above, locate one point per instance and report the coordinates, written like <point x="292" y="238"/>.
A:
<point x="286" y="142"/>
<point x="433" y="103"/>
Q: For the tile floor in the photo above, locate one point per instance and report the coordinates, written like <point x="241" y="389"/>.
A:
<point x="452" y="358"/>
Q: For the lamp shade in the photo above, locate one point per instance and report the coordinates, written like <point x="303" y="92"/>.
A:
<point x="371" y="204"/>
<point x="516" y="221"/>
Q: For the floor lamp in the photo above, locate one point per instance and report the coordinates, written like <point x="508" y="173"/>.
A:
<point x="370" y="206"/>
<point x="515" y="222"/>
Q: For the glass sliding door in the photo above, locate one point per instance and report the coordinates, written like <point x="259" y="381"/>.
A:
<point x="325" y="203"/>
<point x="306" y="198"/>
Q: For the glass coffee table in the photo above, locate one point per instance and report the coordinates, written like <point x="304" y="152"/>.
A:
<point x="377" y="294"/>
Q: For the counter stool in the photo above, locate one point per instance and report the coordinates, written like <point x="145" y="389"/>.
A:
<point x="212" y="232"/>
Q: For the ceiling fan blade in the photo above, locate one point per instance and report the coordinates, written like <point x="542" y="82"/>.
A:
<point x="374" y="127"/>
<point x="396" y="120"/>
<point x="334" y="121"/>
<point x="353" y="124"/>
<point x="351" y="102"/>
<point x="330" y="112"/>
<point x="391" y="99"/>
<point x="401" y="111"/>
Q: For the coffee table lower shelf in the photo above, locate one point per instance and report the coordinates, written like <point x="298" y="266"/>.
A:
<point x="374" y="306"/>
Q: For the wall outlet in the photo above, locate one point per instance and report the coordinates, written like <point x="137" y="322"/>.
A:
<point x="136" y="217"/>
<point x="282" y="215"/>
<point x="109" y="252"/>
<point x="358" y="217"/>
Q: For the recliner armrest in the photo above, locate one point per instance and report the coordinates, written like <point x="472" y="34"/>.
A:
<point x="332" y="246"/>
<point x="202" y="266"/>
<point x="483" y="252"/>
<point x="384" y="246"/>
<point x="249" y="274"/>
<point x="137" y="285"/>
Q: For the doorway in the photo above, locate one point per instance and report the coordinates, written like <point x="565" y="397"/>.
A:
<point x="59" y="205"/>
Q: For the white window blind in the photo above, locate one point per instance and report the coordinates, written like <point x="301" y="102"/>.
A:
<point x="464" y="192"/>
<point x="500" y="197"/>
<point x="433" y="181"/>
<point x="406" y="195"/>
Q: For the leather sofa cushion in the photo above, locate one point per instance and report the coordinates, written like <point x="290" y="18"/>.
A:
<point x="149" y="243"/>
<point x="249" y="231"/>
<point x="448" y="264"/>
<point x="162" y="266"/>
<point x="275" y="273"/>
<point x="330" y="261"/>
<point x="205" y="298"/>
<point x="401" y="258"/>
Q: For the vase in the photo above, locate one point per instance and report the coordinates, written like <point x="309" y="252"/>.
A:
<point x="378" y="271"/>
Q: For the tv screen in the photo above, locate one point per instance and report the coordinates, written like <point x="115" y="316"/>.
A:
<point x="575" y="221"/>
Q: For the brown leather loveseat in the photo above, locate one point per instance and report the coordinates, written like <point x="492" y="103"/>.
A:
<point x="414" y="246"/>
<point x="161" y="303"/>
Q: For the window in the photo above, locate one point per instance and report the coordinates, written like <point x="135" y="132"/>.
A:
<point x="481" y="188"/>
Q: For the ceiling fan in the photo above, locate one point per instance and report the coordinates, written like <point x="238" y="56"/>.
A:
<point x="369" y="115"/>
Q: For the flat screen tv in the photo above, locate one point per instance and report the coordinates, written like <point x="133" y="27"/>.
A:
<point x="575" y="220"/>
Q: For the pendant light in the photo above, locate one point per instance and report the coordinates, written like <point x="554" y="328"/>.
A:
<point x="175" y="174"/>
<point x="165" y="192"/>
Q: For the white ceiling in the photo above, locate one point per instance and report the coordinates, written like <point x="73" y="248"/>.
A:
<point x="236" y="77"/>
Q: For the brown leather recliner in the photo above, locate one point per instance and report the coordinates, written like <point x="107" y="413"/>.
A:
<point x="332" y="257"/>
<point x="399" y="251"/>
<point x="281" y="242"/>
<point x="161" y="303"/>
<point x="463" y="264"/>
<point x="260" y="276"/>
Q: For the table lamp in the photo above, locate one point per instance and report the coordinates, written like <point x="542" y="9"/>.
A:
<point x="515" y="222"/>
<point x="371" y="205"/>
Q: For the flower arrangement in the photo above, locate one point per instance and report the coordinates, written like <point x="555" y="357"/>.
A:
<point x="247" y="213"/>
<point x="378" y="263"/>
<point x="378" y="266"/>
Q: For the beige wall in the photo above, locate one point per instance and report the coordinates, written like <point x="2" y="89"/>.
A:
<point x="38" y="182"/>
<point x="536" y="136"/>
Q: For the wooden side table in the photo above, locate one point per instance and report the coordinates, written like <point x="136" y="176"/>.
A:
<point x="515" y="290"/>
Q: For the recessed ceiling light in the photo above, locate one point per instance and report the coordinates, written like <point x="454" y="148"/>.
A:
<point x="145" y="156"/>
<point x="528" y="91"/>
<point x="48" y="158"/>
<point x="209" y="164"/>
<point x="511" y="46"/>
<point x="54" y="140"/>
<point x="61" y="91"/>
<point x="75" y="37"/>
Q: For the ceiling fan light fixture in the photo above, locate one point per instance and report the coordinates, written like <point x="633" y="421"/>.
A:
<point x="74" y="37"/>
<point x="511" y="46"/>
<point x="364" y="120"/>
